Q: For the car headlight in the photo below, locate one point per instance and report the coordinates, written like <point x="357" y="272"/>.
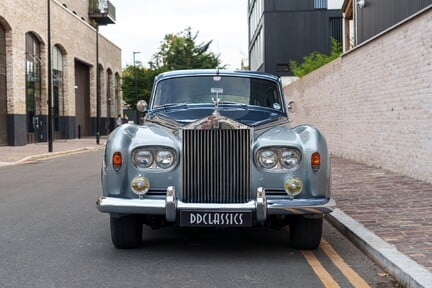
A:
<point x="165" y="158"/>
<point x="154" y="157"/>
<point x="290" y="158"/>
<point x="267" y="159"/>
<point x="278" y="158"/>
<point x="142" y="158"/>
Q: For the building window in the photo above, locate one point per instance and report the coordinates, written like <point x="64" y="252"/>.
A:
<point x="257" y="51"/>
<point x="255" y="16"/>
<point x="117" y="102"/>
<point x="283" y="68"/>
<point x="109" y="95"/>
<point x="33" y="93"/>
<point x="320" y="4"/>
<point x="58" y="91"/>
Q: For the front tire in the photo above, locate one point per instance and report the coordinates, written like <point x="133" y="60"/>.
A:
<point x="126" y="231"/>
<point x="305" y="233"/>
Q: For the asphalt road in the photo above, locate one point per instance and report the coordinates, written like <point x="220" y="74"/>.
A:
<point x="53" y="236"/>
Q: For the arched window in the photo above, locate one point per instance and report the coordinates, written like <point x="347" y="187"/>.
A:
<point x="33" y="87"/>
<point x="58" y="91"/>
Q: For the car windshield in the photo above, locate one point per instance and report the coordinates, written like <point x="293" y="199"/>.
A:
<point x="206" y="89"/>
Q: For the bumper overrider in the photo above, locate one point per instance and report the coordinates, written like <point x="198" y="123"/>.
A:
<point x="211" y="213"/>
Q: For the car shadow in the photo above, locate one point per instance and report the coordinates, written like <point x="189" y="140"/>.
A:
<point x="195" y="241"/>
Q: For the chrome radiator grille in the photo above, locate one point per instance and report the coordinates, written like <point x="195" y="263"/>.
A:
<point x="216" y="166"/>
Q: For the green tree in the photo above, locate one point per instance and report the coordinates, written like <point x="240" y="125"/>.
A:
<point x="177" y="51"/>
<point x="144" y="81"/>
<point x="180" y="51"/>
<point x="315" y="60"/>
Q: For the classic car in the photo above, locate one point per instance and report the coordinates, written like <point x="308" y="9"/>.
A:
<point x="216" y="150"/>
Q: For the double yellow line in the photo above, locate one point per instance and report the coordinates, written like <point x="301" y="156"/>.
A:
<point x="322" y="273"/>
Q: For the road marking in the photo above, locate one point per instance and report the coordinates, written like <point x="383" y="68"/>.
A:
<point x="319" y="270"/>
<point x="346" y="270"/>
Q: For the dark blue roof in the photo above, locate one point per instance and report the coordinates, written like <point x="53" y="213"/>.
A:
<point x="199" y="72"/>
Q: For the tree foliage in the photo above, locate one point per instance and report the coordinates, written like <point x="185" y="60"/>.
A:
<point x="315" y="60"/>
<point x="141" y="89"/>
<point x="180" y="51"/>
<point x="177" y="51"/>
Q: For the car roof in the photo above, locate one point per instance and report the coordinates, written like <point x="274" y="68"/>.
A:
<point x="205" y="72"/>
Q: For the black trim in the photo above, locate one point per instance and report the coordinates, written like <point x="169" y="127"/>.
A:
<point x="16" y="127"/>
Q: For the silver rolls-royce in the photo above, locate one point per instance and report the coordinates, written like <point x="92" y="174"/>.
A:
<point x="216" y="149"/>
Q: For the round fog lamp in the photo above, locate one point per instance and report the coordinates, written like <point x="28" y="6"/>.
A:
<point x="140" y="185"/>
<point x="293" y="186"/>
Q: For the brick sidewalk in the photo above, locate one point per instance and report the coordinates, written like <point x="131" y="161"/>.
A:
<point x="396" y="208"/>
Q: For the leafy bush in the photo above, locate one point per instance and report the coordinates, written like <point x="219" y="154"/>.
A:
<point x="315" y="60"/>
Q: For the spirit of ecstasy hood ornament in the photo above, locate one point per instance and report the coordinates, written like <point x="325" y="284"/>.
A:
<point x="216" y="100"/>
<point x="216" y="91"/>
<point x="216" y="113"/>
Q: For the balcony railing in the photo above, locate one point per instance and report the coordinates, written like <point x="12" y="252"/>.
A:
<point x="103" y="12"/>
<point x="320" y="4"/>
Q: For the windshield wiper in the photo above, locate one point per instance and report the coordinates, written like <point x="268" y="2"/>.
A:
<point x="173" y="105"/>
<point x="233" y="103"/>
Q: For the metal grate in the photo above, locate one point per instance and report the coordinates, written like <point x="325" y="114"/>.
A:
<point x="216" y="166"/>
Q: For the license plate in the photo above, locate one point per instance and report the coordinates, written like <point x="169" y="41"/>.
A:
<point x="215" y="219"/>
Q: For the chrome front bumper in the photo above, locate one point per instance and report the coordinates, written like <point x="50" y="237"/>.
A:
<point x="169" y="206"/>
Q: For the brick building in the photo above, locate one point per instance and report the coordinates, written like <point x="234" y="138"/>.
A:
<point x="24" y="70"/>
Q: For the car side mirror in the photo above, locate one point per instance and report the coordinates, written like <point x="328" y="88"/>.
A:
<point x="141" y="106"/>
<point x="291" y="107"/>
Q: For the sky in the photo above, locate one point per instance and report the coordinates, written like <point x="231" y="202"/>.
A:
<point x="142" y="24"/>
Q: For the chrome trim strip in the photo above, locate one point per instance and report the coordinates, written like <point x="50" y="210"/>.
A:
<point x="250" y="206"/>
<point x="300" y="206"/>
<point x="159" y="206"/>
<point x="131" y="206"/>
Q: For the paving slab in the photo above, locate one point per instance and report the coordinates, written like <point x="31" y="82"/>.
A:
<point x="395" y="208"/>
